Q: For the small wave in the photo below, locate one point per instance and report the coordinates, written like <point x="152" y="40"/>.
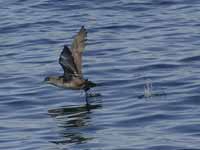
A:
<point x="119" y="27"/>
<point x="165" y="2"/>
<point x="18" y="27"/>
<point x="158" y="66"/>
<point x="191" y="59"/>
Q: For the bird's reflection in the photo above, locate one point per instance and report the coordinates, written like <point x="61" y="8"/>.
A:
<point x="74" y="122"/>
<point x="72" y="138"/>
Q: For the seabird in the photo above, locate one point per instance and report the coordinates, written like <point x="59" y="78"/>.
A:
<point x="71" y="62"/>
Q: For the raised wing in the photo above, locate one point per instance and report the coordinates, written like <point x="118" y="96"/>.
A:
<point x="77" y="47"/>
<point x="66" y="60"/>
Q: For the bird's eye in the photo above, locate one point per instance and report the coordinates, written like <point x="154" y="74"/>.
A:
<point x="46" y="79"/>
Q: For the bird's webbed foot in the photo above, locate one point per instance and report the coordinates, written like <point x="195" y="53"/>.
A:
<point x="92" y="93"/>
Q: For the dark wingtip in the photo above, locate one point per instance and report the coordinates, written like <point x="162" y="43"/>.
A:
<point x="65" y="46"/>
<point x="83" y="29"/>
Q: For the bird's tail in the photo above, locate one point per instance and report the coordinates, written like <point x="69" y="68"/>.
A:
<point x="89" y="84"/>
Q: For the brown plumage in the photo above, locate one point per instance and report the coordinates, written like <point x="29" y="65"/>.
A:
<point x="71" y="62"/>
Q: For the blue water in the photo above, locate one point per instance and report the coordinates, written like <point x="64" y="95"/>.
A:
<point x="129" y="43"/>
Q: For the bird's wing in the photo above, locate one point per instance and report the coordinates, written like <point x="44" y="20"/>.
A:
<point x="66" y="60"/>
<point x="77" y="47"/>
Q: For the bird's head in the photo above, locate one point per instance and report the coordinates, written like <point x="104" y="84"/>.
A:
<point x="51" y="80"/>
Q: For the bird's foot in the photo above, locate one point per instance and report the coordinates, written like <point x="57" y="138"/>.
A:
<point x="92" y="93"/>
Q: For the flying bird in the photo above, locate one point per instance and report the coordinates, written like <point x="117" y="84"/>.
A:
<point x="71" y="61"/>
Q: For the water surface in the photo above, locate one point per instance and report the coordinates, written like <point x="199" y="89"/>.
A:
<point x="129" y="43"/>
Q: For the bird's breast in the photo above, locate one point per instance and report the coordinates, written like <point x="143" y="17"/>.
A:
<point x="74" y="84"/>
